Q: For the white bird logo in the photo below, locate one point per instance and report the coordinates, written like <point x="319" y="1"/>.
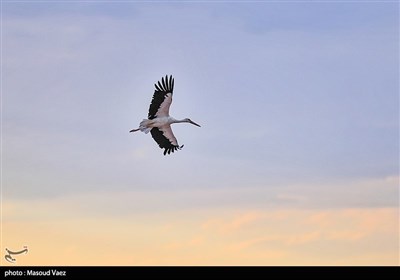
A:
<point x="159" y="121"/>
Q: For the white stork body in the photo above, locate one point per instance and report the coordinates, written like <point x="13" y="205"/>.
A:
<point x="159" y="122"/>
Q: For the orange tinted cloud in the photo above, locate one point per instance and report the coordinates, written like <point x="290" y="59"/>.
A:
<point x="57" y="233"/>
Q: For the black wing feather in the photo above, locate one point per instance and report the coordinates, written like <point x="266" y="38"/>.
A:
<point x="163" y="141"/>
<point x="163" y="83"/>
<point x="157" y="88"/>
<point x="162" y="89"/>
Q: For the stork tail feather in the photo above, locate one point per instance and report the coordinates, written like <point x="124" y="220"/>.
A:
<point x="143" y="126"/>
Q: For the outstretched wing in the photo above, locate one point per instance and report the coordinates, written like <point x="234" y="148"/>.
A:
<point x="165" y="139"/>
<point x="162" y="98"/>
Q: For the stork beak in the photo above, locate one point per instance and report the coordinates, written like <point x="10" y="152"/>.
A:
<point x="192" y="122"/>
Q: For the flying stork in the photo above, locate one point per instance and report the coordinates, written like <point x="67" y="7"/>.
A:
<point x="159" y="121"/>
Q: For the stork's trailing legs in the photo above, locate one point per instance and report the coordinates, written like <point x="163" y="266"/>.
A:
<point x="144" y="126"/>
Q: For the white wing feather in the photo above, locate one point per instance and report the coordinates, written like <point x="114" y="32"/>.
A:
<point x="167" y="131"/>
<point x="163" y="111"/>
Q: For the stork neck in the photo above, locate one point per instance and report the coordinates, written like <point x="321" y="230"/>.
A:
<point x="178" y="121"/>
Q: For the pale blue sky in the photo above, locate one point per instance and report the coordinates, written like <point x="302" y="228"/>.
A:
<point x="300" y="97"/>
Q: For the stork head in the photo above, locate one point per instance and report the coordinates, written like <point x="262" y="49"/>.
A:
<point x="192" y="122"/>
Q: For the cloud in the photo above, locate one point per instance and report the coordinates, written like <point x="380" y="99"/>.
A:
<point x="304" y="238"/>
<point x="368" y="194"/>
<point x="239" y="222"/>
<point x="57" y="235"/>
